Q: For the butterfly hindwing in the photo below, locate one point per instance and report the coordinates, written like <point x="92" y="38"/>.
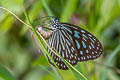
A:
<point x="60" y="41"/>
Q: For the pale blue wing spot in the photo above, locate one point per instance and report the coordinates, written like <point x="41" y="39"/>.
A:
<point x="92" y="45"/>
<point x="78" y="45"/>
<point x="66" y="53"/>
<point x="95" y="51"/>
<point x="88" y="57"/>
<point x="62" y="36"/>
<point x="51" y="39"/>
<point x="98" y="44"/>
<point x="63" y="54"/>
<point x="76" y="34"/>
<point x="61" y="40"/>
<point x="69" y="61"/>
<point x="81" y="52"/>
<point x="89" y="35"/>
<point x="84" y="35"/>
<point x="78" y="58"/>
<point x="55" y="62"/>
<point x="67" y="42"/>
<point x="94" y="56"/>
<point x="73" y="48"/>
<point x="52" y="55"/>
<point x="70" y="37"/>
<point x="84" y="39"/>
<point x="97" y="55"/>
<point x="84" y="57"/>
<point x="57" y="45"/>
<point x="81" y="58"/>
<point x="61" y="64"/>
<point x="74" y="27"/>
<point x="71" y="55"/>
<point x="97" y="48"/>
<point x="58" y="64"/>
<point x="92" y="52"/>
<point x="68" y="29"/>
<point x="59" y="49"/>
<point x="67" y="35"/>
<point x="92" y="40"/>
<point x="87" y="51"/>
<point x="52" y="43"/>
<point x="82" y="31"/>
<point x="68" y="49"/>
<point x="84" y="45"/>
<point x="57" y="59"/>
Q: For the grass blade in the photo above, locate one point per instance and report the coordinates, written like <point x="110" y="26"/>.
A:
<point x="109" y="60"/>
<point x="41" y="41"/>
<point x="68" y="9"/>
<point x="51" y="73"/>
<point x="78" y="75"/>
<point x="5" y="75"/>
<point x="47" y="8"/>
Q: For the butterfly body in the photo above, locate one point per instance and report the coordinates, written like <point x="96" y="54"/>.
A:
<point x="73" y="43"/>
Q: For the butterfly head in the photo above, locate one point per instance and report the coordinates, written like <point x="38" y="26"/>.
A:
<point x="54" y="25"/>
<point x="54" y="20"/>
<point x="50" y="22"/>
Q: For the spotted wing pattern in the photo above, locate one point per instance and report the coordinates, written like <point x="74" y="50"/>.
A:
<point x="73" y="44"/>
<point x="87" y="45"/>
<point x="60" y="41"/>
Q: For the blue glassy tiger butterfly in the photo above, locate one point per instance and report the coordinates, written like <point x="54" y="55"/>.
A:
<point x="73" y="43"/>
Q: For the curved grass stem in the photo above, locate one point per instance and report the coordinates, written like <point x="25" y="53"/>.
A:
<point x="41" y="40"/>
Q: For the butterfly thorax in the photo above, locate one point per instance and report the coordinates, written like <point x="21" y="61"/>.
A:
<point x="55" y="25"/>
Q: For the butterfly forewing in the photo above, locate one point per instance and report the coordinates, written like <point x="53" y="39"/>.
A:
<point x="73" y="44"/>
<point x="87" y="45"/>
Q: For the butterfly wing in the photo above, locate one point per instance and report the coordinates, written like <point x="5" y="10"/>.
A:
<point x="87" y="45"/>
<point x="60" y="41"/>
<point x="73" y="44"/>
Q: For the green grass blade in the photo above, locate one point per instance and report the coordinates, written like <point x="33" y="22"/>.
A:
<point x="5" y="75"/>
<point x="109" y="10"/>
<point x="32" y="30"/>
<point x="41" y="41"/>
<point x="78" y="75"/>
<point x="33" y="12"/>
<point x="68" y="10"/>
<point x="109" y="60"/>
<point x="47" y="8"/>
<point x="51" y="73"/>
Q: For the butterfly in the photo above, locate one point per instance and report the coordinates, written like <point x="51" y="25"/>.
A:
<point x="73" y="43"/>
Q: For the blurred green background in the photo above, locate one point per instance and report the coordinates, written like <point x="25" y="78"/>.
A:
<point x="20" y="58"/>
